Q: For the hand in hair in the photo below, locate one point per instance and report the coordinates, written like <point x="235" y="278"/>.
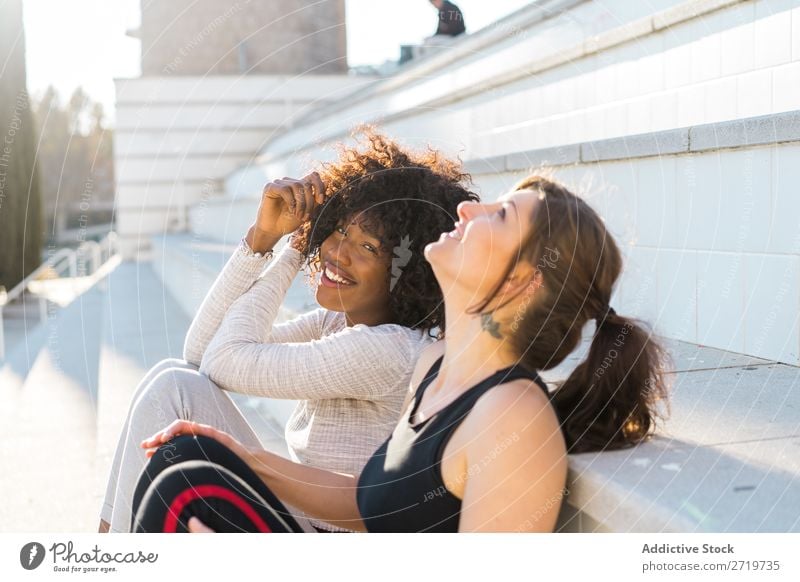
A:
<point x="288" y="203"/>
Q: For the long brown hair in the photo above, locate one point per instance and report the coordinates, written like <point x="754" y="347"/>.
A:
<point x="610" y="400"/>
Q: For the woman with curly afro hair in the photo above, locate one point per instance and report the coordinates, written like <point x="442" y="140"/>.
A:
<point x="360" y="224"/>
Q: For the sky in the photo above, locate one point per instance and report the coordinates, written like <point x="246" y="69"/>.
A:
<point x="73" y="43"/>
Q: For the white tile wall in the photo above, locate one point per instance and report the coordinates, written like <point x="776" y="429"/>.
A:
<point x="754" y="93"/>
<point x="691" y="105"/>
<point x="636" y="289"/>
<point x="720" y="100"/>
<point x="699" y="201"/>
<point x="650" y="66"/>
<point x="773" y="32"/>
<point x="785" y="219"/>
<point x="786" y="87"/>
<point x="772" y="307"/>
<point x="796" y="34"/>
<point x="656" y="219"/>
<point x="664" y="110"/>
<point x="724" y="200"/>
<point x="491" y="187"/>
<point x="615" y="120"/>
<point x="640" y="115"/>
<point x="720" y="300"/>
<point x="737" y="40"/>
<point x="677" y="293"/>
<point x="628" y="83"/>
<point x="594" y="126"/>
<point x="706" y="54"/>
<point x="746" y="184"/>
<point x="677" y="59"/>
<point x="617" y="190"/>
<point x="607" y="80"/>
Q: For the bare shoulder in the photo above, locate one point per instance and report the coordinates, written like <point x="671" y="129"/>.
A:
<point x="515" y="406"/>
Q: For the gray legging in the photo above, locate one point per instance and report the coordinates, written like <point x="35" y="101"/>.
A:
<point x="170" y="390"/>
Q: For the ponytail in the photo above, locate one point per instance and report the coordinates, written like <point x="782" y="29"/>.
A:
<point x="610" y="400"/>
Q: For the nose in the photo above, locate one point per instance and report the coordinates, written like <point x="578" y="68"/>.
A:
<point x="337" y="251"/>
<point x="468" y="210"/>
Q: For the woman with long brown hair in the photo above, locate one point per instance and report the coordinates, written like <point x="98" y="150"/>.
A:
<point x="482" y="443"/>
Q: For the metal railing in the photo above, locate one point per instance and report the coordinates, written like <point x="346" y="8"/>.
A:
<point x="94" y="255"/>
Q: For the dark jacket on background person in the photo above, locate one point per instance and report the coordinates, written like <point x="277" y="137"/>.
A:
<point x="451" y="21"/>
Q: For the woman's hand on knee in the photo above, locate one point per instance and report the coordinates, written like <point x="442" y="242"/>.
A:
<point x="187" y="427"/>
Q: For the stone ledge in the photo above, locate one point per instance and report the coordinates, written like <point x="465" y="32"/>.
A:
<point x="753" y="131"/>
<point x="555" y="156"/>
<point x="725" y="461"/>
<point x="741" y="133"/>
<point x="674" y="141"/>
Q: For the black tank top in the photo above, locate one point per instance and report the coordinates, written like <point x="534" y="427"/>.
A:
<point x="401" y="487"/>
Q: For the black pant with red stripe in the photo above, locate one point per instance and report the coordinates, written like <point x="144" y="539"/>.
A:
<point x="199" y="476"/>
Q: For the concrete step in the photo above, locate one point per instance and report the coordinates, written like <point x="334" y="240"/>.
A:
<point x="48" y="423"/>
<point x="726" y="460"/>
<point x="142" y="325"/>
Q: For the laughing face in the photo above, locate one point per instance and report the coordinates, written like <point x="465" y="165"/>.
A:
<point x="474" y="255"/>
<point x="355" y="273"/>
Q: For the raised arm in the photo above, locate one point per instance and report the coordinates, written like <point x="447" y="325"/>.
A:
<point x="357" y="362"/>
<point x="284" y="205"/>
<point x="238" y="275"/>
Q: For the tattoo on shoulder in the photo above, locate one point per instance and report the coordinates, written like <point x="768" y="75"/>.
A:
<point x="489" y="324"/>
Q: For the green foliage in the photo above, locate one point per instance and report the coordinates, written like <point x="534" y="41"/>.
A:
<point x="75" y="158"/>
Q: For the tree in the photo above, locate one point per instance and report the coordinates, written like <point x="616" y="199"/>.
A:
<point x="76" y="162"/>
<point x="20" y="200"/>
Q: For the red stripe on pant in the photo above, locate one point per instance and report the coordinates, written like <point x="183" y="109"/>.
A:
<point x="203" y="491"/>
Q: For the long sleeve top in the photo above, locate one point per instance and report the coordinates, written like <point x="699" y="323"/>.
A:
<point x="350" y="380"/>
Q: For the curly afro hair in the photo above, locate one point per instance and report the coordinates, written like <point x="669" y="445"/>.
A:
<point x="409" y="198"/>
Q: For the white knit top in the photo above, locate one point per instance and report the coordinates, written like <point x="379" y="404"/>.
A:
<point x="350" y="381"/>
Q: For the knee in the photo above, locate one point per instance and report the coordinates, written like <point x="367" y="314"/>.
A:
<point x="159" y="397"/>
<point x="152" y="373"/>
<point x="173" y="393"/>
<point x="170" y="363"/>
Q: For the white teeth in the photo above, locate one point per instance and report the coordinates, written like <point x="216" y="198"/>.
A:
<point x="336" y="278"/>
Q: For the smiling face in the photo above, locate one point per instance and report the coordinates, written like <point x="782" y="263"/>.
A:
<point x="354" y="274"/>
<point x="475" y="255"/>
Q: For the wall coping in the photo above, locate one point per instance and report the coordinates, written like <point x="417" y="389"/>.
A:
<point x="763" y="130"/>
